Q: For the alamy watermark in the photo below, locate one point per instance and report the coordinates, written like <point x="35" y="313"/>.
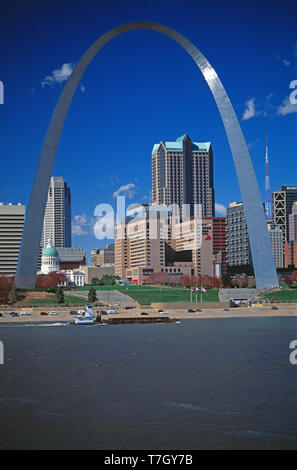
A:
<point x="293" y="94"/>
<point x="293" y="355"/>
<point x="177" y="222"/>
<point x="1" y="353"/>
<point x="1" y="93"/>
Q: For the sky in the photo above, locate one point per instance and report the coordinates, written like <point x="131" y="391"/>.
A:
<point x="142" y="88"/>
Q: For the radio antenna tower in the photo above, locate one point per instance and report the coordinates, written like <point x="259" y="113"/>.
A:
<point x="268" y="211"/>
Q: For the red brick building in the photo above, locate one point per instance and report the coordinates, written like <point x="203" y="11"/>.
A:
<point x="290" y="254"/>
<point x="219" y="241"/>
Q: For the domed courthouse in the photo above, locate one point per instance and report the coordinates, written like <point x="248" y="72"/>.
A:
<point x="50" y="263"/>
<point x="50" y="259"/>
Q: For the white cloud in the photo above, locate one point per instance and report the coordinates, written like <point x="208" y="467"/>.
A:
<point x="254" y="142"/>
<point x="81" y="219"/>
<point x="82" y="225"/>
<point x="77" y="230"/>
<point x="270" y="109"/>
<point x="82" y="88"/>
<point x="125" y="190"/>
<point x="286" y="62"/>
<point x="58" y="76"/>
<point x="250" y="110"/>
<point x="220" y="209"/>
<point x="286" y="107"/>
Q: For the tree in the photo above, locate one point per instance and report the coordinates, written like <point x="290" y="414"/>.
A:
<point x="13" y="295"/>
<point x="60" y="295"/>
<point x="50" y="280"/>
<point x="215" y="281"/>
<point x="205" y="281"/>
<point x="288" y="280"/>
<point x="226" y="281"/>
<point x="95" y="281"/>
<point x="5" y="285"/>
<point x="92" y="295"/>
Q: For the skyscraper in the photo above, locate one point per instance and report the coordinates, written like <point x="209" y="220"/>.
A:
<point x="182" y="173"/>
<point x="238" y="245"/>
<point x="11" y="231"/>
<point x="57" y="218"/>
<point x="282" y="204"/>
<point x="293" y="224"/>
<point x="276" y="238"/>
<point x="290" y="247"/>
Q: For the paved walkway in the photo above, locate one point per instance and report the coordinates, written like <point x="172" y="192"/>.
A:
<point x="226" y="294"/>
<point x="110" y="297"/>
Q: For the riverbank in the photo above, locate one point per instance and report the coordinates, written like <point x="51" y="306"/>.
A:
<point x="239" y="312"/>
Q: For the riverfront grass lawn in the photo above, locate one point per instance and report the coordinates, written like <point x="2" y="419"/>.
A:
<point x="52" y="300"/>
<point x="281" y="295"/>
<point x="145" y="295"/>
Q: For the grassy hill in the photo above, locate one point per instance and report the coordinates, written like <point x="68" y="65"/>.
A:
<point x="145" y="295"/>
<point x="281" y="295"/>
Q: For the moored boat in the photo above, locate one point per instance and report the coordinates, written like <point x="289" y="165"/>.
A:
<point x="85" y="317"/>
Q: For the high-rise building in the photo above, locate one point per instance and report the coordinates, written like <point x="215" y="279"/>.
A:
<point x="104" y="256"/>
<point x="282" y="203"/>
<point x="276" y="238"/>
<point x="156" y="242"/>
<point x="11" y="231"/>
<point x="219" y="244"/>
<point x="290" y="255"/>
<point x="57" y="218"/>
<point x="293" y="224"/>
<point x="182" y="173"/>
<point x="238" y="245"/>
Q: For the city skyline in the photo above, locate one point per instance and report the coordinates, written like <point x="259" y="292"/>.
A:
<point x="121" y="168"/>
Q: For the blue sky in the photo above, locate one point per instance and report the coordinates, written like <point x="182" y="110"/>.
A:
<point x="140" y="89"/>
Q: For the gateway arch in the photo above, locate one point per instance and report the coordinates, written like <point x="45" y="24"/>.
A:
<point x="263" y="260"/>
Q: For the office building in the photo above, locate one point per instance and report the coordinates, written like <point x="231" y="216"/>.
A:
<point x="293" y="224"/>
<point x="276" y="238"/>
<point x="219" y="244"/>
<point x="238" y="246"/>
<point x="290" y="255"/>
<point x="11" y="231"/>
<point x="98" y="272"/>
<point x="104" y="256"/>
<point x="156" y="242"/>
<point x="57" y="218"/>
<point x="282" y="204"/>
<point x="182" y="173"/>
<point x="71" y="258"/>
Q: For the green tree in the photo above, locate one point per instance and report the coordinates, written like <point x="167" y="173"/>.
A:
<point x="109" y="279"/>
<point x="13" y="295"/>
<point x="95" y="281"/>
<point x="60" y="295"/>
<point x="92" y="295"/>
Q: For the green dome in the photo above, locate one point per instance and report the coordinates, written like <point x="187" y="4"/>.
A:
<point x="50" y="251"/>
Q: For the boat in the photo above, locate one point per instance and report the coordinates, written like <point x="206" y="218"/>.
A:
<point x="85" y="317"/>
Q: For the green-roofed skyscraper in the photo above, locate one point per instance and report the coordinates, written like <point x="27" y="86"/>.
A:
<point x="182" y="173"/>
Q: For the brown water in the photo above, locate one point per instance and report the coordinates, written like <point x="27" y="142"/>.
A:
<point x="200" y="384"/>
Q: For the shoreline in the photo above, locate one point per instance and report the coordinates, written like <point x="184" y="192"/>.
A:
<point x="239" y="312"/>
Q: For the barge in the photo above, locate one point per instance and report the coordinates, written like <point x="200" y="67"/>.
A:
<point x="125" y="320"/>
